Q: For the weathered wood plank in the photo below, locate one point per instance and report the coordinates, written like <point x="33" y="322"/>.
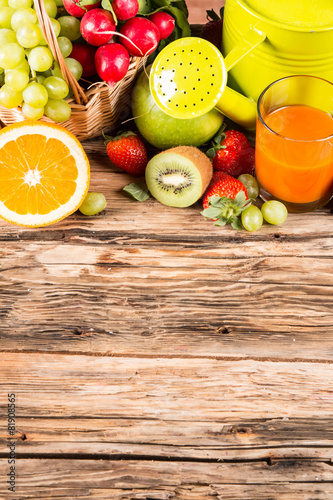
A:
<point x="281" y="491"/>
<point x="270" y="439"/>
<point x="111" y="308"/>
<point x="170" y="477"/>
<point x="165" y="389"/>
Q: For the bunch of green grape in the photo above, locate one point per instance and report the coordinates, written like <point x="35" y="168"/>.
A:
<point x="29" y="76"/>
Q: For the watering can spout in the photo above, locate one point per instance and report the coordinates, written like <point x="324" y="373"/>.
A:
<point x="188" y="78"/>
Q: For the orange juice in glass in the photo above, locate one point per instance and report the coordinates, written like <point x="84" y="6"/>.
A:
<point x="294" y="142"/>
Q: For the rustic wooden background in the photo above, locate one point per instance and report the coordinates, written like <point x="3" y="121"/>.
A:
<point x="155" y="356"/>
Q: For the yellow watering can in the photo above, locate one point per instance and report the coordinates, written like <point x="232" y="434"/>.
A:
<point x="189" y="76"/>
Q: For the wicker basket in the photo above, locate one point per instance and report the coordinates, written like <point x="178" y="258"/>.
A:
<point x="98" y="108"/>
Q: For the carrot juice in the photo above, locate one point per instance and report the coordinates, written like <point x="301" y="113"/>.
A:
<point x="294" y="154"/>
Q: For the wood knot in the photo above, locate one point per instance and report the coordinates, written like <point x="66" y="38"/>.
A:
<point x="78" y="331"/>
<point x="23" y="437"/>
<point x="223" y="329"/>
<point x="241" y="430"/>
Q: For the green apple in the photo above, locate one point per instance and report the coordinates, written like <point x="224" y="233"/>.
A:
<point x="164" y="131"/>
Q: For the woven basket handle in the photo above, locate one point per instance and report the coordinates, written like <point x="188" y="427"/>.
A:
<point x="51" y="39"/>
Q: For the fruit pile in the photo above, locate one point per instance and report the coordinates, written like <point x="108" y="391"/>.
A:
<point x="179" y="176"/>
<point x="93" y="37"/>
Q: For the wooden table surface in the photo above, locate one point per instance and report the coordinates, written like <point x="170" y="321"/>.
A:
<point x="155" y="356"/>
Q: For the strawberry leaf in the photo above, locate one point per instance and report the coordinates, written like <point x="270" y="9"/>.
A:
<point x="138" y="191"/>
<point x="221" y="222"/>
<point x="215" y="201"/>
<point x="240" y="198"/>
<point x="211" y="212"/>
<point x="236" y="224"/>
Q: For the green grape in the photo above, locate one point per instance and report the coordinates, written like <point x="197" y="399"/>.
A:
<point x="50" y="7"/>
<point x="28" y="35"/>
<point x="274" y="212"/>
<point x="93" y="204"/>
<point x="70" y="94"/>
<point x="74" y="67"/>
<point x="70" y="27"/>
<point x="7" y="36"/>
<point x="1" y="71"/>
<point x="35" y="94"/>
<point x="40" y="58"/>
<point x="56" y="87"/>
<point x="251" y="185"/>
<point x="56" y="26"/>
<point x="10" y="98"/>
<point x="21" y="16"/>
<point x="6" y="14"/>
<point x="11" y="55"/>
<point x="40" y="79"/>
<point x="24" y="66"/>
<point x="55" y="70"/>
<point x="31" y="112"/>
<point x="59" y="3"/>
<point x="46" y="73"/>
<point x="252" y="218"/>
<point x="20" y="4"/>
<point x="16" y="79"/>
<point x="65" y="45"/>
<point x="57" y="110"/>
<point x="42" y="40"/>
<point x="3" y="3"/>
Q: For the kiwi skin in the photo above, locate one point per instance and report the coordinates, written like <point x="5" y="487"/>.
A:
<point x="199" y="160"/>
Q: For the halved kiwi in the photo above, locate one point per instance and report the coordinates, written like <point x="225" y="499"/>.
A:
<point x="178" y="177"/>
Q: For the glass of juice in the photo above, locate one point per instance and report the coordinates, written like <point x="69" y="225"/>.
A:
<point x="294" y="142"/>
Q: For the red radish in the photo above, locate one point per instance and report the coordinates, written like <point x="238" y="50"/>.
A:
<point x="85" y="54"/>
<point x="97" y="26"/>
<point x="112" y="61"/>
<point x="125" y="9"/>
<point x="73" y="7"/>
<point x="143" y="36"/>
<point x="164" y="22"/>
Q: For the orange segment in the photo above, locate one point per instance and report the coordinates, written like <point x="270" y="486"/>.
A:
<point x="44" y="173"/>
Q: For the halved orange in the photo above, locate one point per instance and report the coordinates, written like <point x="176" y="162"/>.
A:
<point x="44" y="173"/>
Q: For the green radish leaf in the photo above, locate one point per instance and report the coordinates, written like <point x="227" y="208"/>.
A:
<point x="106" y="4"/>
<point x="138" y="191"/>
<point x="144" y="7"/>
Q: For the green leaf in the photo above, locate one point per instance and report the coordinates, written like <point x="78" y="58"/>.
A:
<point x="221" y="222"/>
<point x="106" y="4"/>
<point x="137" y="190"/>
<point x="236" y="224"/>
<point x="211" y="212"/>
<point x="211" y="152"/>
<point x="215" y="201"/>
<point x="240" y="198"/>
<point x="144" y="7"/>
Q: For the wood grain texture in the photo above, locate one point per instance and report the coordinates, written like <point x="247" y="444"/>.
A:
<point x="156" y="356"/>
<point x="131" y="279"/>
<point x="171" y="479"/>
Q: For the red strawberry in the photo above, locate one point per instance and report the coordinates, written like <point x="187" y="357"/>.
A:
<point x="232" y="153"/>
<point x="224" y="200"/>
<point x="212" y="31"/>
<point x="128" y="152"/>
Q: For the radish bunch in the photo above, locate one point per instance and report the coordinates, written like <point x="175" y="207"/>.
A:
<point x="114" y="30"/>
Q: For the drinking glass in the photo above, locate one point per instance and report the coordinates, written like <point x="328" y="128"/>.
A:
<point x="294" y="142"/>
